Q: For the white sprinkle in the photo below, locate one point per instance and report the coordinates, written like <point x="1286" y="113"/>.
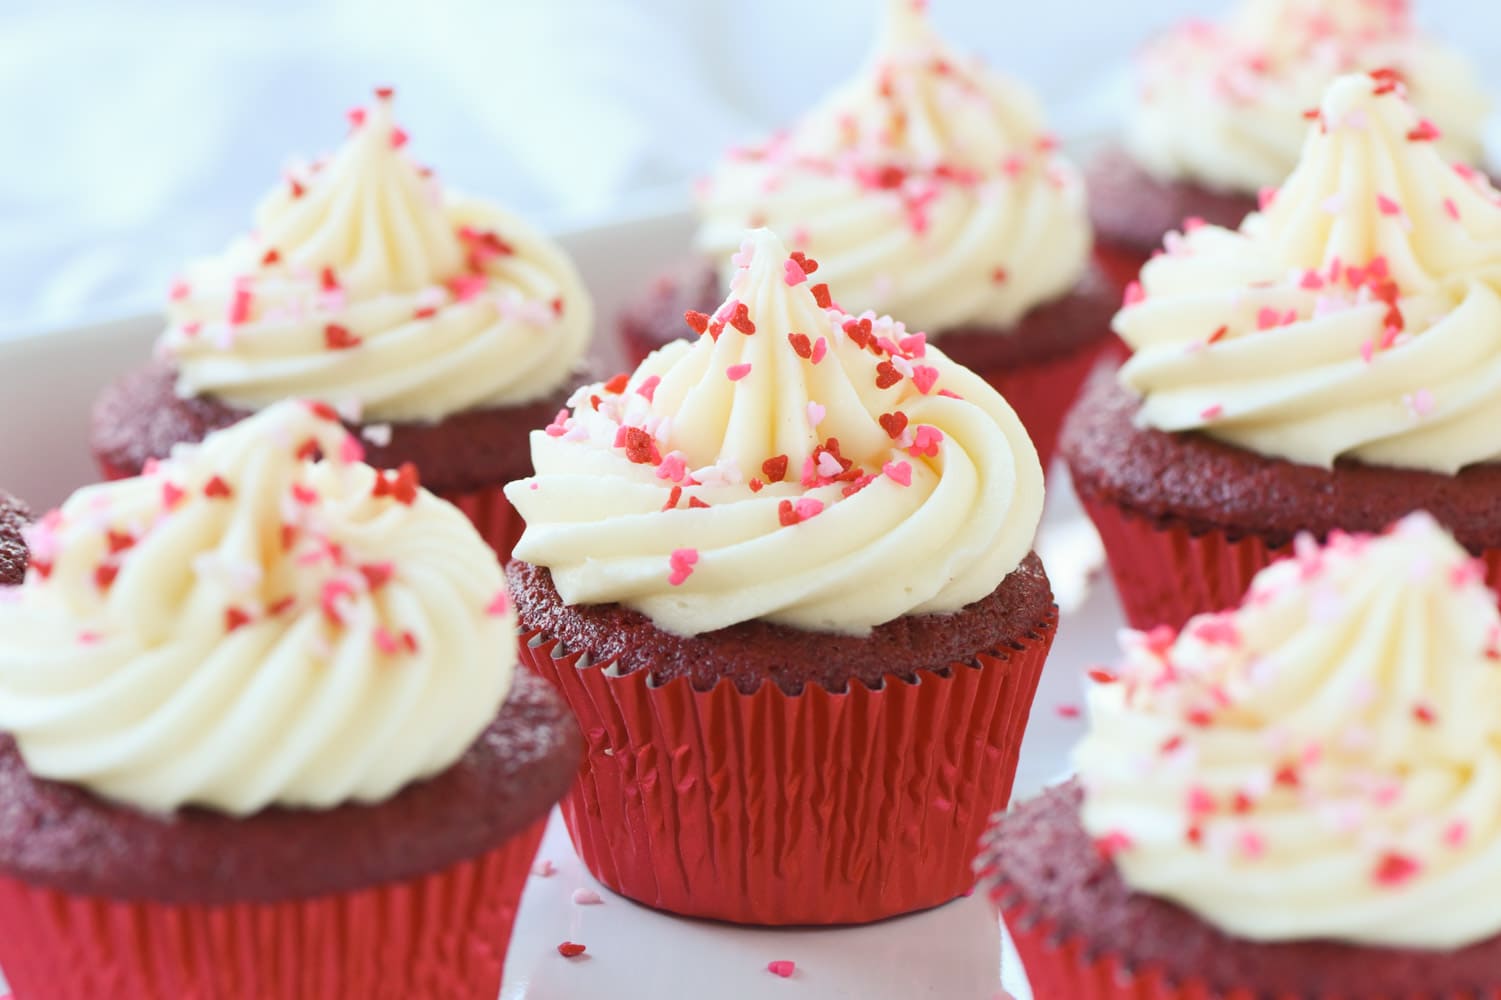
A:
<point x="586" y="897"/>
<point x="377" y="434"/>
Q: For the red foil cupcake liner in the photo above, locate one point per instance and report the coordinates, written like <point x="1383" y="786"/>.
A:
<point x="1061" y="967"/>
<point x="1041" y="392"/>
<point x="440" y="935"/>
<point x="772" y="809"/>
<point x="494" y="517"/>
<point x="1165" y="573"/>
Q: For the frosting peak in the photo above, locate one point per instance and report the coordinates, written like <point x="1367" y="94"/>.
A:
<point x="1218" y="101"/>
<point x="242" y="626"/>
<point x="1357" y="316"/>
<point x="927" y="186"/>
<point x="1323" y="762"/>
<point x="365" y="285"/>
<point x="788" y="465"/>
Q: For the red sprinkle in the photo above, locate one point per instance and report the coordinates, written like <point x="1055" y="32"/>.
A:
<point x="782" y="968"/>
<point x="119" y="541"/>
<point x="740" y="319"/>
<point x="1394" y="869"/>
<point x="804" y="261"/>
<point x="377" y="575"/>
<point x="402" y="487"/>
<point x="821" y="295"/>
<point x="270" y="257"/>
<point x="234" y="618"/>
<point x="217" y="489"/>
<point x="887" y="375"/>
<point x="894" y="424"/>
<point x="1102" y="675"/>
<point x="775" y="468"/>
<point x="697" y="322"/>
<point x="1425" y="132"/>
<point x="801" y="345"/>
<point x="617" y="384"/>
<point x="570" y="950"/>
<point x="1112" y="844"/>
<point x="104" y="575"/>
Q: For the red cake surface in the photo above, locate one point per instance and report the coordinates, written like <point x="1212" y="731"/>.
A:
<point x="1194" y="480"/>
<point x="140" y="417"/>
<point x="1133" y="210"/>
<point x="61" y="836"/>
<point x="1040" y="860"/>
<point x="1078" y="319"/>
<point x="750" y="653"/>
<point x="14" y="516"/>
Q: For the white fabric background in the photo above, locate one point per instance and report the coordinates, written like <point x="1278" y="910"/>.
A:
<point x="139" y="134"/>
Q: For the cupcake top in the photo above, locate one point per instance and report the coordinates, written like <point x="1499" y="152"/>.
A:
<point x="1323" y="762"/>
<point x="1218" y="103"/>
<point x="13" y="518"/>
<point x="366" y="286"/>
<point x="1358" y="315"/>
<point x="927" y="188"/>
<point x="794" y="464"/>
<point x="243" y="626"/>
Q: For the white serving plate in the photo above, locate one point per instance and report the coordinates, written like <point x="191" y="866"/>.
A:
<point x="953" y="952"/>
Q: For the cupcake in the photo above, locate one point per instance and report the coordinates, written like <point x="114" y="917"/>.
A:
<point x="1215" y="120"/>
<point x="14" y="516"/>
<point x="781" y="574"/>
<point x="1293" y="799"/>
<point x="442" y="328"/>
<point x="263" y="734"/>
<point x="1333" y="364"/>
<point x="927" y="188"/>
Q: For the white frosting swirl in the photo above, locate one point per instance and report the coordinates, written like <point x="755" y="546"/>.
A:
<point x="1218" y="104"/>
<point x="1323" y="762"/>
<point x="926" y="187"/>
<point x="1358" y="316"/>
<point x="242" y="627"/>
<point x="365" y="286"/>
<point x="777" y="469"/>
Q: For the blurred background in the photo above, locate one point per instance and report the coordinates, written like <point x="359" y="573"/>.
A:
<point x="138" y="134"/>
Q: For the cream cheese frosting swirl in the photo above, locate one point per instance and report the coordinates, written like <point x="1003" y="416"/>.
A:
<point x="243" y="627"/>
<point x="926" y="187"/>
<point x="366" y="286"/>
<point x="1218" y="103"/>
<point x="1357" y="316"/>
<point x="1323" y="762"/>
<point x="794" y="464"/>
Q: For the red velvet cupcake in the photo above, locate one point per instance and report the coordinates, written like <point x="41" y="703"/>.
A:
<point x="442" y="328"/>
<point x="14" y="516"/>
<point x="1295" y="799"/>
<point x="781" y="574"/>
<point x="928" y="189"/>
<point x="264" y="734"/>
<point x="1214" y="121"/>
<point x="1334" y="363"/>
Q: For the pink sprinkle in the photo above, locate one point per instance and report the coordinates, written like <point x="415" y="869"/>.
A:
<point x="672" y="467"/>
<point x="648" y="388"/>
<point x="745" y="254"/>
<point x="1394" y="869"/>
<point x="88" y="638"/>
<point x="1465" y="170"/>
<point x="1267" y="318"/>
<point x="499" y="604"/>
<point x="356" y="117"/>
<point x="1367" y="351"/>
<point x="385" y="641"/>
<point x="1068" y="711"/>
<point x="807" y="507"/>
<point x="820" y="348"/>
<point x="1387" y="205"/>
<point x="1212" y="412"/>
<point x="350" y="450"/>
<point x="828" y="465"/>
<point x="1451" y="208"/>
<point x="1420" y="403"/>
<point x="179" y="290"/>
<point x="398" y="137"/>
<point x="1265" y="197"/>
<point x="782" y="968"/>
<point x="924" y="376"/>
<point x="898" y="472"/>
<point x="559" y="425"/>
<point x="1312" y="281"/>
<point x="925" y="441"/>
<point x="172" y="495"/>
<point x="544" y="869"/>
<point x="793" y="273"/>
<point x="1456" y="833"/>
<point x="816" y="413"/>
<point x="681" y="564"/>
<point x="468" y="287"/>
<point x="1252" y="845"/>
<point x="586" y="897"/>
<point x="1135" y="293"/>
<point x="737" y="372"/>
<point x="239" y="306"/>
<point x="914" y="345"/>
